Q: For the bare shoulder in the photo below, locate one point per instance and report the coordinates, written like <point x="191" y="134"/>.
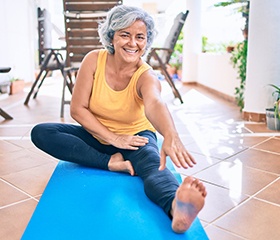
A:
<point x="92" y="55"/>
<point x="148" y="83"/>
<point x="149" y="77"/>
<point x="89" y="62"/>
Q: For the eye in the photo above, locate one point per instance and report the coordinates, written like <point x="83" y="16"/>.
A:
<point x="124" y="35"/>
<point x="142" y="37"/>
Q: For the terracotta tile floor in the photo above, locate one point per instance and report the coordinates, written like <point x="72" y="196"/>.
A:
<point x="238" y="162"/>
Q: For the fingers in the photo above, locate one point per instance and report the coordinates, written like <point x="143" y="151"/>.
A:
<point x="162" y="161"/>
<point x="131" y="147"/>
<point x="178" y="162"/>
<point x="189" y="159"/>
<point x="182" y="159"/>
<point x="130" y="142"/>
<point x="139" y="141"/>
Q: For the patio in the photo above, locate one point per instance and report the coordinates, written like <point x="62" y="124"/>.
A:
<point x="239" y="162"/>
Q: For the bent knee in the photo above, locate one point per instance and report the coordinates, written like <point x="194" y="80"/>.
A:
<point x="38" y="132"/>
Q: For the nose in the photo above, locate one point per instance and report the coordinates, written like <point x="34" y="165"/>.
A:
<point x="132" y="41"/>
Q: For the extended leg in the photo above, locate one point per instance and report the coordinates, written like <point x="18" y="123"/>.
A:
<point x="181" y="203"/>
<point x="159" y="186"/>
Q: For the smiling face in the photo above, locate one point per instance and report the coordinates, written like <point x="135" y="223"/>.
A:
<point x="130" y="43"/>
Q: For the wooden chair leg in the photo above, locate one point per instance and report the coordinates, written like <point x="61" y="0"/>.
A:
<point x="175" y="91"/>
<point x="33" y="87"/>
<point x="63" y="101"/>
<point x="40" y="84"/>
<point x="5" y="115"/>
<point x="167" y="77"/>
<point x="63" y="95"/>
<point x="43" y="70"/>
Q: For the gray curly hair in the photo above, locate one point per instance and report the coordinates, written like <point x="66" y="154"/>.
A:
<point x="121" y="17"/>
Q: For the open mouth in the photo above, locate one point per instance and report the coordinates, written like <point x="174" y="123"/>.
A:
<point x="130" y="51"/>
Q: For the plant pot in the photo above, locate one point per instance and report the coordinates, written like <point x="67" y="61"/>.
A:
<point x="179" y="73"/>
<point x="16" y="86"/>
<point x="230" y="49"/>
<point x="171" y="70"/>
<point x="272" y="122"/>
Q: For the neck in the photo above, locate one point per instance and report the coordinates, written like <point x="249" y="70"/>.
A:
<point x="121" y="66"/>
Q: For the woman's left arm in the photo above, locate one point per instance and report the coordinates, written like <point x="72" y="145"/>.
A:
<point x="149" y="88"/>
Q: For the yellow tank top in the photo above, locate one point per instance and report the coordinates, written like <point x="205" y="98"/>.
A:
<point x="122" y="112"/>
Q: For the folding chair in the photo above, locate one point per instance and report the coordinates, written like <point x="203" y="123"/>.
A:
<point x="50" y="59"/>
<point x="158" y="58"/>
<point x="81" y="20"/>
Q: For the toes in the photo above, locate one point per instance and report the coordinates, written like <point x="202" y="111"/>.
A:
<point x="195" y="183"/>
<point x="204" y="194"/>
<point x="199" y="185"/>
<point x="188" y="181"/>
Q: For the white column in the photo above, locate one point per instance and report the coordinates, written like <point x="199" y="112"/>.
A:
<point x="263" y="60"/>
<point x="192" y="41"/>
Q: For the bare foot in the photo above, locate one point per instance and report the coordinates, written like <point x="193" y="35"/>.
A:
<point x="118" y="164"/>
<point x="189" y="200"/>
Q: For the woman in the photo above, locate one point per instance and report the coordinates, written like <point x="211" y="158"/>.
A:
<point x="117" y="103"/>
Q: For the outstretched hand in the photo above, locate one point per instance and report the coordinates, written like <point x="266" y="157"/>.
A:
<point x="130" y="142"/>
<point x="174" y="148"/>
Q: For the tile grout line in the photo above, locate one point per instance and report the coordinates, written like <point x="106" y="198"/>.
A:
<point x="226" y="230"/>
<point x="11" y="185"/>
<point x="263" y="134"/>
<point x="272" y="182"/>
<point x="19" y="102"/>
<point x="16" y="125"/>
<point x="267" y="151"/>
<point x="20" y="190"/>
<point x="18" y="202"/>
<point x="267" y="186"/>
<point x="268" y="202"/>
<point x="250" y="197"/>
<point x="15" y="138"/>
<point x="257" y="144"/>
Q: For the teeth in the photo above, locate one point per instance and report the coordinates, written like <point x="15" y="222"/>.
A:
<point x="130" y="51"/>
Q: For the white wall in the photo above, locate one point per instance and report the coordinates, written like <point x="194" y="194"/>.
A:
<point x="263" y="63"/>
<point x="18" y="37"/>
<point x="192" y="41"/>
<point x="160" y="5"/>
<point x="216" y="72"/>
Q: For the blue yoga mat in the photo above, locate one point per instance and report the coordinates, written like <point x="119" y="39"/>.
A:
<point x="81" y="203"/>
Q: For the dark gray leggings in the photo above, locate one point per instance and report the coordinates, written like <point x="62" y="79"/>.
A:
<point x="73" y="143"/>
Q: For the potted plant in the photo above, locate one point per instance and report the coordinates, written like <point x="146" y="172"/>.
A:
<point x="17" y="85"/>
<point x="273" y="114"/>
<point x="239" y="53"/>
<point x="239" y="61"/>
<point x="175" y="63"/>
